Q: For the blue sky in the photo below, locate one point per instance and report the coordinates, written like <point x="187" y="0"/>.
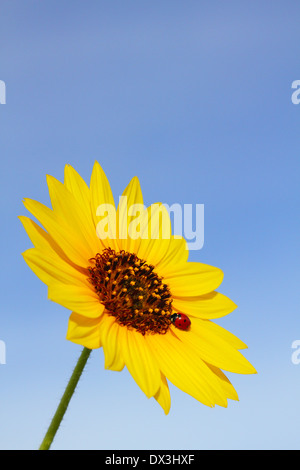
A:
<point x="195" y="99"/>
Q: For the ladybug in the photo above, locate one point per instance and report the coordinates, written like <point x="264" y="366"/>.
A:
<point x="180" y="320"/>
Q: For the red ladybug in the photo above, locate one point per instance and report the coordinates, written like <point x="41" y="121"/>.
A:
<point x="180" y="320"/>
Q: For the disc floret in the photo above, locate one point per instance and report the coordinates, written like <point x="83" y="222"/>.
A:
<point x="131" y="291"/>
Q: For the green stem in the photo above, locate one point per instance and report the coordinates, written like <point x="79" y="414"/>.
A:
<point x="64" y="402"/>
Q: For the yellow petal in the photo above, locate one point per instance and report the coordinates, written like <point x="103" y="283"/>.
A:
<point x="192" y="279"/>
<point x="78" y="298"/>
<point x="76" y="219"/>
<point x="70" y="242"/>
<point x="111" y="343"/>
<point x="51" y="268"/>
<point x="208" y="306"/>
<point x="213" y="349"/>
<point x="101" y="201"/>
<point x="84" y="331"/>
<point x="42" y="240"/>
<point x="163" y="395"/>
<point x="229" y="390"/>
<point x="100" y="188"/>
<point x="156" y="234"/>
<point x="139" y="361"/>
<point x="176" y="253"/>
<point x="80" y="190"/>
<point x="226" y="335"/>
<point x="182" y="365"/>
<point x="39" y="237"/>
<point x="131" y="204"/>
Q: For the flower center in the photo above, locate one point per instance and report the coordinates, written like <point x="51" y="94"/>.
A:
<point x="131" y="291"/>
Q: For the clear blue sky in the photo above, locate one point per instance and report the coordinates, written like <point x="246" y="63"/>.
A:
<point x="195" y="99"/>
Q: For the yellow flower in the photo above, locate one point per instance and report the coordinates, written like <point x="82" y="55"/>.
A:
<point x="125" y="286"/>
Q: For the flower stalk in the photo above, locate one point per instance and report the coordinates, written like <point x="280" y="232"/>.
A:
<point x="65" y="400"/>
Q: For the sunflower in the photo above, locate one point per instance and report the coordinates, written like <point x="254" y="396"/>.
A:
<point x="131" y="289"/>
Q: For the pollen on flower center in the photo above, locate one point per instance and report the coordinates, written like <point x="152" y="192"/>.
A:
<point x="131" y="291"/>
